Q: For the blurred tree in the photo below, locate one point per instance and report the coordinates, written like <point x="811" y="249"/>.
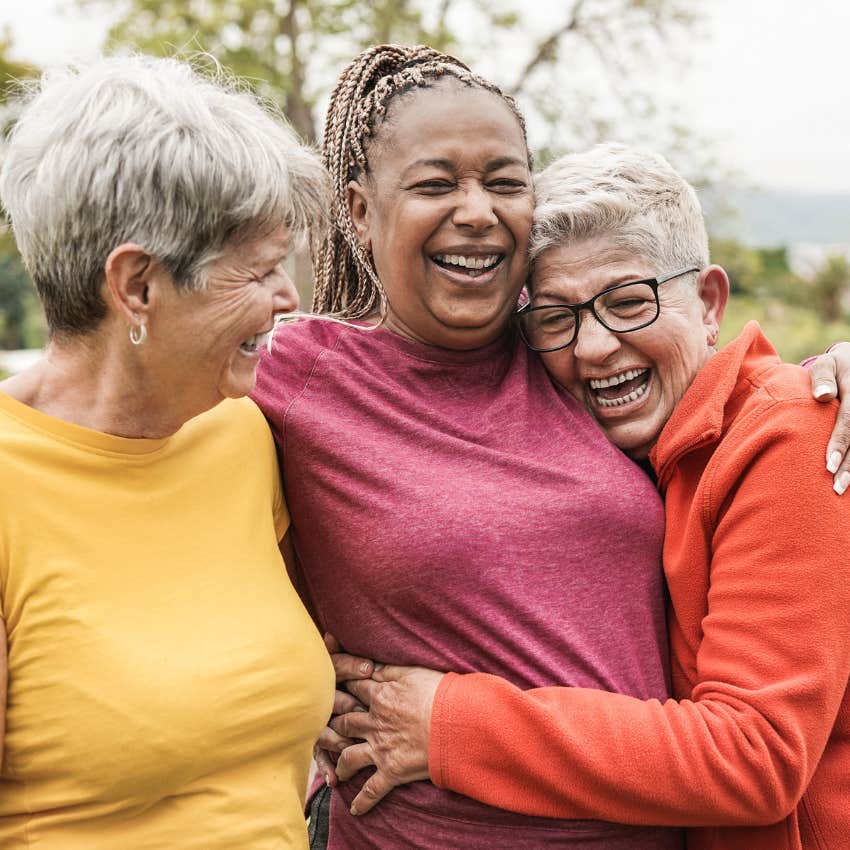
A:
<point x="744" y="265"/>
<point x="570" y="63"/>
<point x="830" y="289"/>
<point x="21" y="321"/>
<point x="21" y="318"/>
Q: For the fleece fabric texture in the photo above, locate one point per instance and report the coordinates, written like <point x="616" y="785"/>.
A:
<point x="754" y="752"/>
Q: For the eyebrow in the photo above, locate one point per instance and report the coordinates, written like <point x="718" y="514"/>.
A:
<point x="543" y="292"/>
<point x="449" y="165"/>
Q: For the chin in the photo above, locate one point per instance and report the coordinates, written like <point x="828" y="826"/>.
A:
<point x="239" y="387"/>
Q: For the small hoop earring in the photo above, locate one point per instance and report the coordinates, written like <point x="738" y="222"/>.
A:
<point x="138" y="334"/>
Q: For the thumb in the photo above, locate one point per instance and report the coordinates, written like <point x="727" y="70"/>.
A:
<point x="822" y="376"/>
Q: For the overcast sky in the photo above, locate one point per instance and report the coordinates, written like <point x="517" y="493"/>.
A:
<point x="766" y="83"/>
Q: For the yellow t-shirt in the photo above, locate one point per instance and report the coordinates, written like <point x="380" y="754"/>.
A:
<point x="165" y="683"/>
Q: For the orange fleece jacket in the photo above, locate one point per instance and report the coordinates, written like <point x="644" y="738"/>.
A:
<point x="754" y="752"/>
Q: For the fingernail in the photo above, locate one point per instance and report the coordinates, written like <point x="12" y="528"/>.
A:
<point x="842" y="483"/>
<point x="360" y="708"/>
<point x="354" y="811"/>
<point x="365" y="666"/>
<point x="833" y="463"/>
<point x="327" y="779"/>
<point x="822" y="390"/>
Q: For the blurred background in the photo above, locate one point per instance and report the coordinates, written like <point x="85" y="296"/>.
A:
<point x="743" y="98"/>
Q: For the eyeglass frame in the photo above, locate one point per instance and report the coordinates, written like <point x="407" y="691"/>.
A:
<point x="653" y="283"/>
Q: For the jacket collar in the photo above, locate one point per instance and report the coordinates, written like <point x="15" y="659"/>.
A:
<point x="699" y="416"/>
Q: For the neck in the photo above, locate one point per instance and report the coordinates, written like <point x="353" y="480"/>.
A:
<point x="98" y="384"/>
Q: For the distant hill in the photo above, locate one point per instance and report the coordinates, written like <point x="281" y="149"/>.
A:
<point x="768" y="217"/>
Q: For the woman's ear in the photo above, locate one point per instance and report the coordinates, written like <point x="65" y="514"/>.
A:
<point x="359" y="209"/>
<point x="714" y="293"/>
<point x="129" y="271"/>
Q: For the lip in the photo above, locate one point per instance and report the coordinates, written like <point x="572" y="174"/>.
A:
<point x="262" y="340"/>
<point x="461" y="278"/>
<point x="468" y="249"/>
<point x="587" y="378"/>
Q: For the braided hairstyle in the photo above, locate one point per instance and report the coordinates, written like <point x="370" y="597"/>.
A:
<point x="347" y="284"/>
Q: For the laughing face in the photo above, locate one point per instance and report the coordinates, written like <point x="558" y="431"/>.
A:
<point x="630" y="382"/>
<point x="446" y="212"/>
<point x="210" y="339"/>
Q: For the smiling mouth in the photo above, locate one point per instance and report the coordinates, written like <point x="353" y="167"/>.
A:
<point x="619" y="389"/>
<point x="250" y="345"/>
<point x="472" y="266"/>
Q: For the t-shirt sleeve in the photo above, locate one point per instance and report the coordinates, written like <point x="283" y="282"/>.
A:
<point x="286" y="368"/>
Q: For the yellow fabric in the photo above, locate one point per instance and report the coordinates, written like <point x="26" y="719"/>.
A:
<point x="166" y="685"/>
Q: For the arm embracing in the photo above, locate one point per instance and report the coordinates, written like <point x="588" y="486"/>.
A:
<point x="830" y="377"/>
<point x="771" y="671"/>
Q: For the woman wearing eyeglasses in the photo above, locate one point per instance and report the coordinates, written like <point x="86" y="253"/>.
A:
<point x="754" y="750"/>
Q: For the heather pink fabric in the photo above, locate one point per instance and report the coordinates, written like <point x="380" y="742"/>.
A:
<point x="456" y="510"/>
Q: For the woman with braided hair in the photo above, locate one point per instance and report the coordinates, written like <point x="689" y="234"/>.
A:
<point x="445" y="496"/>
<point x="451" y="507"/>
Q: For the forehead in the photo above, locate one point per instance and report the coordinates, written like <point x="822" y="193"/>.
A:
<point x="578" y="271"/>
<point x="449" y="121"/>
<point x="267" y="244"/>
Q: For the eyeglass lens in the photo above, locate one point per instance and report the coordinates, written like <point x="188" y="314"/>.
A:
<point x="622" y="309"/>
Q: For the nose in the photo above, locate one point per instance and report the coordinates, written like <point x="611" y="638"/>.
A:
<point x="475" y="208"/>
<point x="285" y="297"/>
<point x="594" y="343"/>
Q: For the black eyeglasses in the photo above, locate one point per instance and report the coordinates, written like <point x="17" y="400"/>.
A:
<point x="622" y="308"/>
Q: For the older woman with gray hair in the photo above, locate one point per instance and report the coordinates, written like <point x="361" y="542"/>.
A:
<point x="165" y="684"/>
<point x="752" y="751"/>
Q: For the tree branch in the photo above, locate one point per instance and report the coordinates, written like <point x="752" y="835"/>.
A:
<point x="546" y="48"/>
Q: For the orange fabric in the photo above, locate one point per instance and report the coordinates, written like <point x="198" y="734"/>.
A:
<point x="756" y="751"/>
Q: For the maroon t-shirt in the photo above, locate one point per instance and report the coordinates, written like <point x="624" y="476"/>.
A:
<point x="456" y="510"/>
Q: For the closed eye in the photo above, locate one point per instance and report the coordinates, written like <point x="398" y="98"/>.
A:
<point x="434" y="187"/>
<point x="507" y="185"/>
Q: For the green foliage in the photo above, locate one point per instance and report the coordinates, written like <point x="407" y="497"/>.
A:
<point x="830" y="289"/>
<point x="288" y="52"/>
<point x="291" y="50"/>
<point x="10" y="70"/>
<point x="21" y="319"/>
<point x="796" y="331"/>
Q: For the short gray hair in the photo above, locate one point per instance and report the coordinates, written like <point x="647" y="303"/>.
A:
<point x="178" y="159"/>
<point x="633" y="197"/>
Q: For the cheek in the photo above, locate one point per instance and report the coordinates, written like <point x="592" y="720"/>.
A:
<point x="561" y="366"/>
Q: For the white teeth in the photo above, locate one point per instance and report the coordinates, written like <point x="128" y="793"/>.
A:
<point x="601" y="383"/>
<point x="254" y="342"/>
<point x="477" y="263"/>
<point x="616" y="380"/>
<point x="616" y="402"/>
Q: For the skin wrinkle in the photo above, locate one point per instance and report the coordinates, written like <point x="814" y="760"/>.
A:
<point x="363" y="106"/>
<point x="467" y="191"/>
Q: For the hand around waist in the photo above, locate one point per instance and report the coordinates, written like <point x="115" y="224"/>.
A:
<point x="392" y="734"/>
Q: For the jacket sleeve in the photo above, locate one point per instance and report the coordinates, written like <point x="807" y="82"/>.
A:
<point x="772" y="669"/>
